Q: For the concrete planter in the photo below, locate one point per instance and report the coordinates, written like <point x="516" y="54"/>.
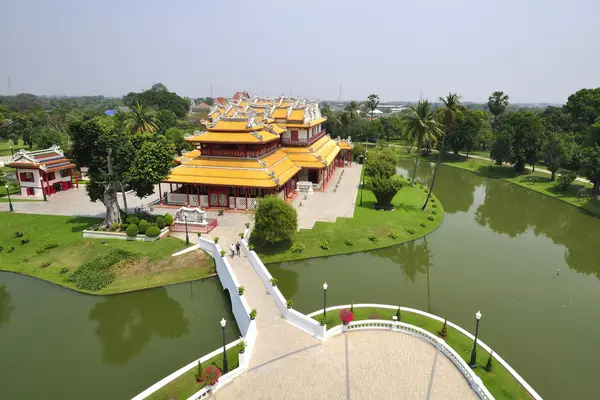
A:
<point x="123" y="236"/>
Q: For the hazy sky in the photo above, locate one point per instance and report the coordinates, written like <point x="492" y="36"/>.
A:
<point x="534" y="50"/>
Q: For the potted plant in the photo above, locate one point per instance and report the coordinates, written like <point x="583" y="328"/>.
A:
<point x="223" y="253"/>
<point x="289" y="303"/>
<point x="241" y="235"/>
<point x="241" y="347"/>
<point x="216" y="239"/>
<point x="241" y="290"/>
<point x="211" y="375"/>
<point x="274" y="281"/>
<point x="247" y="224"/>
<point x="253" y="313"/>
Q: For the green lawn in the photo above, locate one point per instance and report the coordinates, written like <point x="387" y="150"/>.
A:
<point x="152" y="266"/>
<point x="5" y="147"/>
<point x="499" y="382"/>
<point x="185" y="386"/>
<point x="543" y="185"/>
<point x="366" y="221"/>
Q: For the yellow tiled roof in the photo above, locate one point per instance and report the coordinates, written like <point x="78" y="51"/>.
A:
<point x="233" y="137"/>
<point x="310" y="124"/>
<point x="279" y="130"/>
<point x="319" y="155"/>
<point x="296" y="115"/>
<point x="344" y="145"/>
<point x="280" y="113"/>
<point x="272" y="171"/>
<point x="237" y="126"/>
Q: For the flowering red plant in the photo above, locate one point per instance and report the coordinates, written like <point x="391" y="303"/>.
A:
<point x="211" y="375"/>
<point x="346" y="316"/>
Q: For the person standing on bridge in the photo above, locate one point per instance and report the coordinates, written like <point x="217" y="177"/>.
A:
<point x="237" y="248"/>
<point x="232" y="249"/>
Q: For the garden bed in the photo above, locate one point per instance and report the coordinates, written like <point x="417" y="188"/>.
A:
<point x="124" y="236"/>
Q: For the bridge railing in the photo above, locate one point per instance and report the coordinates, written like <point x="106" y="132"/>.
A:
<point x="338" y="329"/>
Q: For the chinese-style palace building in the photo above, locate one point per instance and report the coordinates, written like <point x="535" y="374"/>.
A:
<point x="251" y="148"/>
<point x="42" y="173"/>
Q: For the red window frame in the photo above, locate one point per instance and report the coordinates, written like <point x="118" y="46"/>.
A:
<point x="294" y="136"/>
<point x="26" y="176"/>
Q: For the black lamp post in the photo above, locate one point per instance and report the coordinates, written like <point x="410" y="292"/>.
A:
<point x="325" y="302"/>
<point x="187" y="236"/>
<point x="225" y="366"/>
<point x="9" y="201"/>
<point x="473" y="362"/>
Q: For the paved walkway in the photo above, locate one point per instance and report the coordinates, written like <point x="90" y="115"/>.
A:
<point x="73" y="202"/>
<point x="329" y="205"/>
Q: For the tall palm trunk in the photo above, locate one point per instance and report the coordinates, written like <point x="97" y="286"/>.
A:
<point x="437" y="165"/>
<point x="419" y="144"/>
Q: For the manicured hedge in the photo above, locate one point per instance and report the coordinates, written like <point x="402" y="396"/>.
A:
<point x="132" y="230"/>
<point x="143" y="226"/>
<point x="153" y="231"/>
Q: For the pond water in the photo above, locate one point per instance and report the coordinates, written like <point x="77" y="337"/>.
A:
<point x="59" y="344"/>
<point x="527" y="261"/>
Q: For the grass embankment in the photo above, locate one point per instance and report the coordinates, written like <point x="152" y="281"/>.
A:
<point x="185" y="386"/>
<point x="131" y="265"/>
<point x="366" y="221"/>
<point x="499" y="382"/>
<point x="538" y="181"/>
<point x="5" y="147"/>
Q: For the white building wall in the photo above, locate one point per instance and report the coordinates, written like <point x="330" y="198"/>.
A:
<point x="37" y="183"/>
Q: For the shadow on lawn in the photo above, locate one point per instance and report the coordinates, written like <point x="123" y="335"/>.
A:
<point x="82" y="223"/>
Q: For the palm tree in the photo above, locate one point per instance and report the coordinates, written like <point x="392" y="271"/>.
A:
<point x="141" y="120"/>
<point x="450" y="107"/>
<point x="421" y="127"/>
<point x="497" y="103"/>
<point x="372" y="103"/>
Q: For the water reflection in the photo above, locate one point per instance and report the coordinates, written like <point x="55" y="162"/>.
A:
<point x="511" y="210"/>
<point x="6" y="307"/>
<point x="126" y="323"/>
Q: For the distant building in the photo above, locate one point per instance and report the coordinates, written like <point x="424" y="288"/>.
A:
<point x="42" y="173"/>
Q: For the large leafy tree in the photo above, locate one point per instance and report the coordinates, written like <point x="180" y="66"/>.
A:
<point x="590" y="166"/>
<point x="556" y="152"/>
<point x="556" y="119"/>
<point x="372" y="103"/>
<point x="502" y="150"/>
<point x="275" y="221"/>
<point x="159" y="98"/>
<point x="141" y="120"/>
<point x="584" y="107"/>
<point x="448" y="113"/>
<point x="420" y="127"/>
<point x="115" y="158"/>
<point x="381" y="164"/>
<point x="177" y="137"/>
<point x="497" y="104"/>
<point x="527" y="138"/>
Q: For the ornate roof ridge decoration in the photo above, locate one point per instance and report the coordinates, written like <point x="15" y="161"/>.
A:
<point x="290" y="108"/>
<point x="30" y="155"/>
<point x="198" y="133"/>
<point x="257" y="135"/>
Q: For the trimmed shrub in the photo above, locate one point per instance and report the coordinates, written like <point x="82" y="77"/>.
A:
<point x="434" y="212"/>
<point x="24" y="241"/>
<point x="153" y="231"/>
<point x="434" y="205"/>
<point x="325" y="245"/>
<point x="221" y="212"/>
<point x="211" y="375"/>
<point x="393" y="234"/>
<point x="398" y="314"/>
<point x="384" y="190"/>
<point x="143" y="226"/>
<point x="431" y="218"/>
<point x="346" y="316"/>
<point x="373" y="238"/>
<point x="132" y="219"/>
<point x="160" y="221"/>
<point x="199" y="372"/>
<point x="216" y="239"/>
<point x="432" y="200"/>
<point x="322" y="320"/>
<point x="241" y="235"/>
<point x="444" y="332"/>
<point x="247" y="225"/>
<point x="349" y="242"/>
<point x="274" y="281"/>
<point x="411" y="231"/>
<point x="223" y="253"/>
<point x="275" y="221"/>
<point x="114" y="227"/>
<point x="64" y="270"/>
<point x="423" y="224"/>
<point x="241" y="290"/>
<point x="253" y="313"/>
<point x="124" y="227"/>
<point x="11" y="249"/>
<point x="46" y="264"/>
<point x="297" y="248"/>
<point x="488" y="365"/>
<point x="241" y="347"/>
<point x="19" y="234"/>
<point x="565" y="179"/>
<point x="169" y="219"/>
<point x="45" y="247"/>
<point x="132" y="230"/>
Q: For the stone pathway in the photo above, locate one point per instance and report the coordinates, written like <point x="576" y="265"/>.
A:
<point x="356" y="365"/>
<point x="329" y="205"/>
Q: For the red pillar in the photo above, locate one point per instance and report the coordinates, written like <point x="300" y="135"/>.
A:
<point x="198" y="191"/>
<point x="246" y="193"/>
<point x="234" y="198"/>
<point x="159" y="194"/>
<point x="48" y="185"/>
<point x="187" y="193"/>
<point x="76" y="179"/>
